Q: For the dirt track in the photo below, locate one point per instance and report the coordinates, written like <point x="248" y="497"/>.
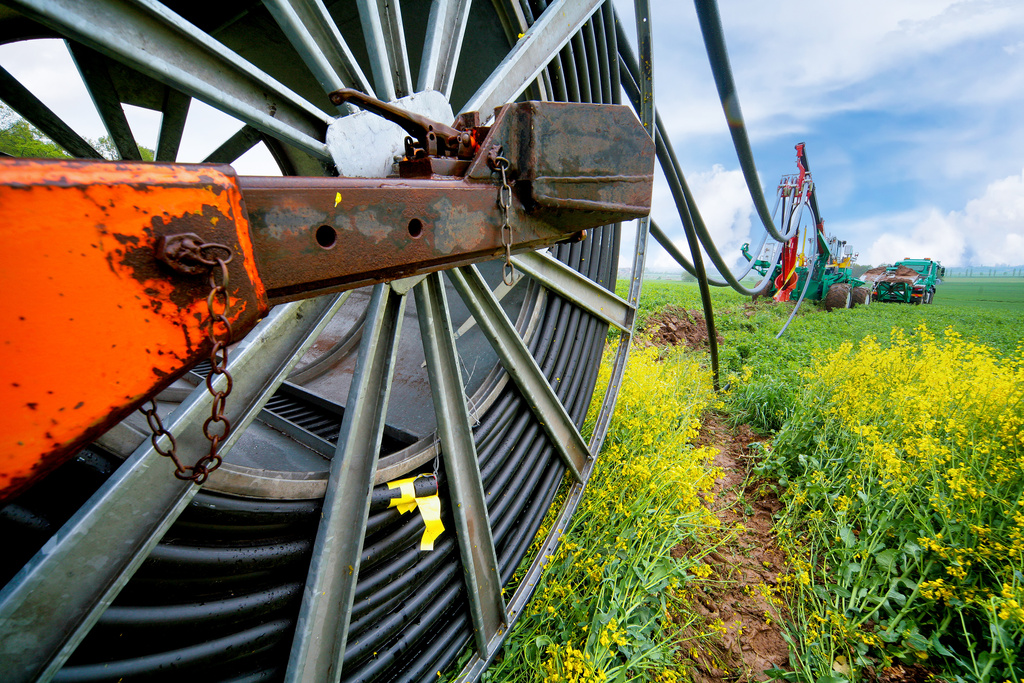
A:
<point x="745" y="568"/>
<point x="675" y="325"/>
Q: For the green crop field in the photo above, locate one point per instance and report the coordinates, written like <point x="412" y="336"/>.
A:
<point x="981" y="292"/>
<point x="987" y="310"/>
<point x="894" y="437"/>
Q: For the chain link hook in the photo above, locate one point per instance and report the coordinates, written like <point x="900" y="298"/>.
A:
<point x="508" y="271"/>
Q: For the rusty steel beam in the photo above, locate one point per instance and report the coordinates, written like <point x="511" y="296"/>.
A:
<point x="104" y="254"/>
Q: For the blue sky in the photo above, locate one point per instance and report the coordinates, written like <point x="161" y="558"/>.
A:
<point x="911" y="111"/>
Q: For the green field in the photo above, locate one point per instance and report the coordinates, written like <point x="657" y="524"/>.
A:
<point x="881" y="418"/>
<point x="983" y="292"/>
<point x="986" y="310"/>
<point x="892" y="435"/>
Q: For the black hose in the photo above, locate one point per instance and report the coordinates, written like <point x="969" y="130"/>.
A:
<point x="705" y="295"/>
<point x="633" y="91"/>
<point x="686" y="205"/>
<point x="714" y="42"/>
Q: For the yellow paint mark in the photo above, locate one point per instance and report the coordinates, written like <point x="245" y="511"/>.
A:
<point x="337" y="199"/>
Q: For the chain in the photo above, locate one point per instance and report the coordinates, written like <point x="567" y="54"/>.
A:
<point x="508" y="271"/>
<point x="157" y="430"/>
<point x="217" y="427"/>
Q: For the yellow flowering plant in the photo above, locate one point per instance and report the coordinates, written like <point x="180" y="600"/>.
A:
<point x="903" y="469"/>
<point x="604" y="602"/>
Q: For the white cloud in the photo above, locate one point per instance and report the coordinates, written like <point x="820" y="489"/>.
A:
<point x="853" y="43"/>
<point x="725" y="206"/>
<point x="932" y="236"/>
<point x="796" y="63"/>
<point x="988" y="231"/>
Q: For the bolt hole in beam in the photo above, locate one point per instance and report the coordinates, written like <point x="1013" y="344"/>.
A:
<point x="326" y="236"/>
<point x="415" y="228"/>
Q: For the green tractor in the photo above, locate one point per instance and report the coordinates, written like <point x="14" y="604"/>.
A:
<point x="910" y="281"/>
<point x="821" y="270"/>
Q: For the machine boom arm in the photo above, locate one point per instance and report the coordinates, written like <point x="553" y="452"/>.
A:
<point x="106" y="272"/>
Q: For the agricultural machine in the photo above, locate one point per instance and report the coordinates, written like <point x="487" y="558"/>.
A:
<point x="910" y="281"/>
<point x="816" y="265"/>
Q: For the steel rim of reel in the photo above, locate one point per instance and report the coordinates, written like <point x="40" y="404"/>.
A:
<point x="583" y="70"/>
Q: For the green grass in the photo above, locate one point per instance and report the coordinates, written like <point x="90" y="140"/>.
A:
<point x="897" y="453"/>
<point x="750" y="349"/>
<point x="987" y="310"/>
<point x="981" y="292"/>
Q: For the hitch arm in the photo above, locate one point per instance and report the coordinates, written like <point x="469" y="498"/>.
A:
<point x="103" y="303"/>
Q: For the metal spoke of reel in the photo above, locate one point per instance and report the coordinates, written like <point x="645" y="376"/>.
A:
<point x="322" y="630"/>
<point x="317" y="40"/>
<point x="303" y="496"/>
<point x="455" y="434"/>
<point x="133" y="509"/>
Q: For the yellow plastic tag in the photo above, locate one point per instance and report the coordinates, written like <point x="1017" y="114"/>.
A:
<point x="430" y="510"/>
<point x="407" y="500"/>
<point x="429" y="507"/>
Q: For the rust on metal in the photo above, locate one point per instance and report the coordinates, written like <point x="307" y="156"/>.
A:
<point x="572" y="167"/>
<point x="187" y="253"/>
<point x="429" y="138"/>
<point x="577" y="165"/>
<point x="104" y="272"/>
<point x="92" y="322"/>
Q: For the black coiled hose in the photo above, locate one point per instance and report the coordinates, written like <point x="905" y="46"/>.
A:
<point x="218" y="598"/>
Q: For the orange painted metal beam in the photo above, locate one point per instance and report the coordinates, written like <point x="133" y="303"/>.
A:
<point x="94" y="320"/>
<point x="91" y="322"/>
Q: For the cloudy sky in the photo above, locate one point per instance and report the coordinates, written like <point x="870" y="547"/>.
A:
<point x="912" y="111"/>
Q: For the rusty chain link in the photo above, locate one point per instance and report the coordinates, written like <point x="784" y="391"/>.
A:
<point x="508" y="271"/>
<point x="217" y="427"/>
<point x="157" y="430"/>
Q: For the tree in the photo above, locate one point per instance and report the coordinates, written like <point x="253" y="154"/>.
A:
<point x="105" y="146"/>
<point x="19" y="138"/>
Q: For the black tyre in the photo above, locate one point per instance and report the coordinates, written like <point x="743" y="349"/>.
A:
<point x="838" y="296"/>
<point x="860" y="296"/>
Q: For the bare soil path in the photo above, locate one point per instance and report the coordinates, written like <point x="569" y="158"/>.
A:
<point x="740" y="598"/>
<point x="741" y="594"/>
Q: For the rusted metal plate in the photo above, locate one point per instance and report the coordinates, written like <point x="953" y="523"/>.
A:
<point x="572" y="167"/>
<point x="91" y="322"/>
<point x="318" y="235"/>
<point x="575" y="165"/>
